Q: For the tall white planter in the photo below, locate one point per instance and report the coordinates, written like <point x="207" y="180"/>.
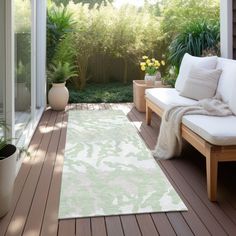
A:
<point x="7" y="178"/>
<point x="58" y="96"/>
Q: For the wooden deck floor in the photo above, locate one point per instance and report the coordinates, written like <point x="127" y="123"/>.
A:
<point x="37" y="189"/>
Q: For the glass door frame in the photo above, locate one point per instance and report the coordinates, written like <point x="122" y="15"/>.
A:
<point x="36" y="91"/>
<point x="3" y="64"/>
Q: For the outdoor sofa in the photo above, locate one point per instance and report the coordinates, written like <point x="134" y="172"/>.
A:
<point x="214" y="137"/>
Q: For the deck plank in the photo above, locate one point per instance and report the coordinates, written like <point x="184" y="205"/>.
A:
<point x="179" y="225"/>
<point x="66" y="227"/>
<point x="130" y="225"/>
<point x="83" y="227"/>
<point x="113" y="225"/>
<point x="98" y="226"/>
<point x="146" y="225"/>
<point x="163" y="224"/>
<point x="50" y="221"/>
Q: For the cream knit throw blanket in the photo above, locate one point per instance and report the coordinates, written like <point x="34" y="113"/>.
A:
<point x="169" y="142"/>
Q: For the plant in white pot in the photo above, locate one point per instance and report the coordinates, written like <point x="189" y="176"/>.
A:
<point x="151" y="69"/>
<point x="8" y="156"/>
<point x="58" y="95"/>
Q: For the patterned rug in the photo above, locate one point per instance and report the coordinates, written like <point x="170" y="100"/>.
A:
<point x="108" y="170"/>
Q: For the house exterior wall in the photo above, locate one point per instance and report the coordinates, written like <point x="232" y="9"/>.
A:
<point x="2" y="56"/>
<point x="234" y="28"/>
<point x="41" y="52"/>
<point x="226" y="28"/>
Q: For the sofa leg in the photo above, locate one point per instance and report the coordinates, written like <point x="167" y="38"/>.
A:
<point x="148" y="115"/>
<point x="212" y="172"/>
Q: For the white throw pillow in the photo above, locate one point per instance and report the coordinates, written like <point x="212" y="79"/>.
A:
<point x="232" y="100"/>
<point x="227" y="84"/>
<point x="201" y="83"/>
<point x="189" y="61"/>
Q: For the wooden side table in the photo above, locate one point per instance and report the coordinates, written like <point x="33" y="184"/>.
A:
<point x="139" y="87"/>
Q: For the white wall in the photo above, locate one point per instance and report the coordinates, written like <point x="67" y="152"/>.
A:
<point x="41" y="53"/>
<point x="226" y="28"/>
<point x="2" y="56"/>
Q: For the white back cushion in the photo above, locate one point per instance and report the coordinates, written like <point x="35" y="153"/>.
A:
<point x="189" y="61"/>
<point x="201" y="83"/>
<point x="227" y="82"/>
<point x="232" y="102"/>
<point x="232" y="98"/>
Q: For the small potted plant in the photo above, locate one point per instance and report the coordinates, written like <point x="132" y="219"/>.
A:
<point x="8" y="156"/>
<point x="151" y="69"/>
<point x="58" y="95"/>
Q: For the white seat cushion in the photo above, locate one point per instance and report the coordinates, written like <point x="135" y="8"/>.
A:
<point x="215" y="130"/>
<point x="165" y="97"/>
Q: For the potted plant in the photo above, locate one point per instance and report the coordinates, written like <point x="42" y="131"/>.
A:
<point x="151" y="69"/>
<point x="58" y="95"/>
<point x="8" y="155"/>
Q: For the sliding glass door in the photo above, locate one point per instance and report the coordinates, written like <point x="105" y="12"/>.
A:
<point x="23" y="75"/>
<point x="22" y="67"/>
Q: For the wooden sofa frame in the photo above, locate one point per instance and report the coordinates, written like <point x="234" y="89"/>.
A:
<point x="212" y="153"/>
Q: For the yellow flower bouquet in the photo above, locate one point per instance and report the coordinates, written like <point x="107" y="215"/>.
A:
<point x="151" y="66"/>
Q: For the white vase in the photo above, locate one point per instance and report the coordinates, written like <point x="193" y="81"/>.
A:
<point x="7" y="178"/>
<point x="58" y="96"/>
<point x="150" y="79"/>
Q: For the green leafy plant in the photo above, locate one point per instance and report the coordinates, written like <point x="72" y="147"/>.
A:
<point x="59" y="23"/>
<point x="3" y="140"/>
<point x="176" y="14"/>
<point x="88" y="38"/>
<point x="60" y="72"/>
<point x="194" y="39"/>
<point x="170" y="77"/>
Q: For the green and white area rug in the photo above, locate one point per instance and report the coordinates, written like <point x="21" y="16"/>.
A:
<point x="108" y="170"/>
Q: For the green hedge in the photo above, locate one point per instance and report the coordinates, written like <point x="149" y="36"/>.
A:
<point x="97" y="93"/>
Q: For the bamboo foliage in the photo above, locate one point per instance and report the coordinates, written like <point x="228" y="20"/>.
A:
<point x="121" y="36"/>
<point x="126" y="33"/>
